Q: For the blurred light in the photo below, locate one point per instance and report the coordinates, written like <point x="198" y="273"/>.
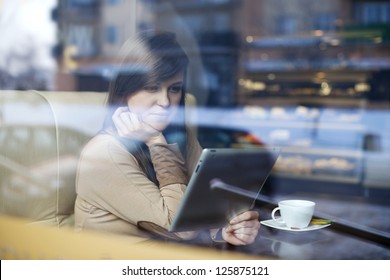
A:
<point x="278" y="111"/>
<point x="255" y="111"/>
<point x="325" y="88"/>
<point x="251" y="85"/>
<point x="280" y="135"/>
<point x="271" y="76"/>
<point x="70" y="52"/>
<point x="335" y="42"/>
<point x="249" y="39"/>
<point x="301" y="110"/>
<point x="259" y="86"/>
<point x="360" y="87"/>
<point x="318" y="33"/>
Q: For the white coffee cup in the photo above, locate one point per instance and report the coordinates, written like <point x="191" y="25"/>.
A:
<point x="295" y="213"/>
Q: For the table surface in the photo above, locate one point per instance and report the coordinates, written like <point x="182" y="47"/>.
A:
<point x="322" y="244"/>
<point x="331" y="243"/>
<point x="361" y="230"/>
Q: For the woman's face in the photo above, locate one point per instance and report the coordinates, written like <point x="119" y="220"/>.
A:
<point x="157" y="102"/>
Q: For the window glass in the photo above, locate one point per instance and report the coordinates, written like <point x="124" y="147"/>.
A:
<point x="113" y="2"/>
<point x="111" y="34"/>
<point x="309" y="77"/>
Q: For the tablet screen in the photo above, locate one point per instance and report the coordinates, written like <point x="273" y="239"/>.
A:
<point x="205" y="205"/>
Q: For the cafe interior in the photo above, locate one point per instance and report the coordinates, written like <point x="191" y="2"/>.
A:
<point x="310" y="78"/>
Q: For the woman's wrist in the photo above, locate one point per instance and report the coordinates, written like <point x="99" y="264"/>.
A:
<point x="158" y="139"/>
<point x="216" y="235"/>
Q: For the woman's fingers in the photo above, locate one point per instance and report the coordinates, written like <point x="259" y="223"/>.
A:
<point x="129" y="124"/>
<point x="125" y="122"/>
<point x="240" y="237"/>
<point x="243" y="229"/>
<point x="245" y="224"/>
<point x="248" y="215"/>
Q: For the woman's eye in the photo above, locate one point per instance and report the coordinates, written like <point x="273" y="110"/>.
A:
<point x="175" y="89"/>
<point x="152" y="88"/>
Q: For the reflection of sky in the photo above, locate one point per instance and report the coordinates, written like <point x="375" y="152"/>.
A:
<point x="86" y="118"/>
<point x="316" y="138"/>
<point x="27" y="35"/>
<point x="329" y="128"/>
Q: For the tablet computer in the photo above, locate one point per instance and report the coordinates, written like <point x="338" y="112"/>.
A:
<point x="225" y="183"/>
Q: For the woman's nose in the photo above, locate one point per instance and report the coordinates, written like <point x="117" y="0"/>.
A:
<point x="163" y="98"/>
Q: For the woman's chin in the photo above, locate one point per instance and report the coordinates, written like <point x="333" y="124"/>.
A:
<point x="158" y="126"/>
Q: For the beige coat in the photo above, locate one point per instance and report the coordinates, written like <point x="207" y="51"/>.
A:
<point x="115" y="195"/>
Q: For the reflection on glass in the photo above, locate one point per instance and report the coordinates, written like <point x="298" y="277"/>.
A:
<point x="309" y="78"/>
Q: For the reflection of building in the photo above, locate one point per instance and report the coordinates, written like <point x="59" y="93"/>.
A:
<point x="79" y="26"/>
<point x="97" y="29"/>
<point x="305" y="49"/>
<point x="252" y="49"/>
<point x="118" y="22"/>
<point x="212" y="23"/>
<point x="91" y="32"/>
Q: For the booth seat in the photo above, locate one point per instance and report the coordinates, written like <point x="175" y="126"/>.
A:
<point x="41" y="136"/>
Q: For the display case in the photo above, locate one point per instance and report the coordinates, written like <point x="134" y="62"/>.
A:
<point x="321" y="144"/>
<point x="320" y="164"/>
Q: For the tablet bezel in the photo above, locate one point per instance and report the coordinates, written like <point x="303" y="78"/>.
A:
<point x="203" y="207"/>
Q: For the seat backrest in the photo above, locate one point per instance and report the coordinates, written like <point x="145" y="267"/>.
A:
<point x="41" y="136"/>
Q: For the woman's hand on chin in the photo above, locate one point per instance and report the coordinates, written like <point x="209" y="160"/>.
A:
<point x="158" y="139"/>
<point x="131" y="125"/>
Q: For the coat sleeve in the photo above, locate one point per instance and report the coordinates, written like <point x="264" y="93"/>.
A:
<point x="110" y="178"/>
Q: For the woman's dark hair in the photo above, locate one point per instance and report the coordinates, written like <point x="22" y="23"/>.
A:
<point x="150" y="56"/>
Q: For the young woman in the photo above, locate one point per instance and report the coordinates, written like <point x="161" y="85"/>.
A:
<point x="132" y="175"/>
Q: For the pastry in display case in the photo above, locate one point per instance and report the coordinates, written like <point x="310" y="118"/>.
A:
<point x="318" y="164"/>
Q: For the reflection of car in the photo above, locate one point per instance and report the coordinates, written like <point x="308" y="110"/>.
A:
<point x="222" y="137"/>
<point x="36" y="163"/>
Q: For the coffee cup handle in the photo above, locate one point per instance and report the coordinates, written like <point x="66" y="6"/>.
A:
<point x="276" y="219"/>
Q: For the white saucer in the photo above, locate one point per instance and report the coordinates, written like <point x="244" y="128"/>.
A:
<point x="281" y="225"/>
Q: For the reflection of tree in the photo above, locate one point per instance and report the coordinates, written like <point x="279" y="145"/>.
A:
<point x="27" y="37"/>
<point x="30" y="78"/>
